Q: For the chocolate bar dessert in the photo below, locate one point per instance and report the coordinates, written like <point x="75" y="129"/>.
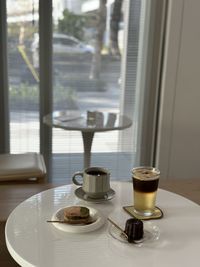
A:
<point x="134" y="230"/>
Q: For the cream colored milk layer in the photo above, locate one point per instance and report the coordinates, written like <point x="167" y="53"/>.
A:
<point x="145" y="174"/>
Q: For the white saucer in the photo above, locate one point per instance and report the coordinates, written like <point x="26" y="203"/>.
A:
<point x="151" y="234"/>
<point x="82" y="195"/>
<point x="96" y="216"/>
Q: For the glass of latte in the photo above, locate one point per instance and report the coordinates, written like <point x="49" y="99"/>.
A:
<point x="145" y="185"/>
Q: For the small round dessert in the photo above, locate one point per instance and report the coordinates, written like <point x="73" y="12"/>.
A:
<point x="134" y="230"/>
<point x="76" y="215"/>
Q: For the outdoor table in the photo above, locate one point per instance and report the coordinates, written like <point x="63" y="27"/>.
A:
<point x="87" y="123"/>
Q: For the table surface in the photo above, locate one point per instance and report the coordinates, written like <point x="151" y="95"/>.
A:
<point x="90" y="121"/>
<point x="33" y="242"/>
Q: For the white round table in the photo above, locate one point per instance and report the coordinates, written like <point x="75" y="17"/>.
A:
<point x="33" y="242"/>
<point x="87" y="123"/>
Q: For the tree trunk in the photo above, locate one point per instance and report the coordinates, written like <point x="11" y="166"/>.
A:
<point x="114" y="28"/>
<point x="101" y="25"/>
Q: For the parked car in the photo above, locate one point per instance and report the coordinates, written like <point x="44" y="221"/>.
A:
<point x="62" y="44"/>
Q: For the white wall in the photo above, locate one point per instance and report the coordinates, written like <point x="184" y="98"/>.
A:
<point x="178" y="150"/>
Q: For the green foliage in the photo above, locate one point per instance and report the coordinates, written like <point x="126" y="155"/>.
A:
<point x="72" y="24"/>
<point x="25" y="92"/>
<point x="62" y="93"/>
<point x="29" y="94"/>
<point x="14" y="30"/>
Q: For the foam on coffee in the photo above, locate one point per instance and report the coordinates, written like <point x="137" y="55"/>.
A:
<point x="145" y="174"/>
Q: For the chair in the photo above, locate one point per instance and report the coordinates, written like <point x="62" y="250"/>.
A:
<point x="21" y="167"/>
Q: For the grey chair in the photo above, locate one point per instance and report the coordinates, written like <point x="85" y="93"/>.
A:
<point x="20" y="167"/>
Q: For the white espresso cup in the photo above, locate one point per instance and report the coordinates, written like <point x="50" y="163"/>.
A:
<point x="95" y="181"/>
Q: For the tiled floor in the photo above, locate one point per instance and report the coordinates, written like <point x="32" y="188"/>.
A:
<point x="64" y="165"/>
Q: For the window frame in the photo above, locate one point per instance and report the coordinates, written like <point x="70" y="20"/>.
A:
<point x="4" y="103"/>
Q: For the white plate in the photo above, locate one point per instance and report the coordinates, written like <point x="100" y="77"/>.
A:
<point x="99" y="220"/>
<point x="151" y="234"/>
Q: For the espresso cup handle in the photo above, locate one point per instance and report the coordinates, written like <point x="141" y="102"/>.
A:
<point x="74" y="178"/>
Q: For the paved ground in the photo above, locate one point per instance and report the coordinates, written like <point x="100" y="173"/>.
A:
<point x="65" y="165"/>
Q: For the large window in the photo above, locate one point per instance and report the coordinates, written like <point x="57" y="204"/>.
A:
<point x="88" y="76"/>
<point x="102" y="59"/>
<point x="22" y="25"/>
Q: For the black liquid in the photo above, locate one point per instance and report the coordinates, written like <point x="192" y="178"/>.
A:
<point x="96" y="173"/>
<point x="146" y="186"/>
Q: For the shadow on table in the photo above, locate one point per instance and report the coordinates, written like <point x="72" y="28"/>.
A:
<point x="5" y="258"/>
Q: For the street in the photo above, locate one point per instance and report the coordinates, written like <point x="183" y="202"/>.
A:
<point x="72" y="86"/>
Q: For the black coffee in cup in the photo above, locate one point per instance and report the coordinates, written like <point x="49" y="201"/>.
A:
<point x="95" y="181"/>
<point x="96" y="172"/>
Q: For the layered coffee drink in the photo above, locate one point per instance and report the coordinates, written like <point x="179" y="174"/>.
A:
<point x="145" y="185"/>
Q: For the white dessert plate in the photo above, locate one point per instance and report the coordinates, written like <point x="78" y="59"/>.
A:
<point x="96" y="217"/>
<point x="151" y="234"/>
<point x="82" y="195"/>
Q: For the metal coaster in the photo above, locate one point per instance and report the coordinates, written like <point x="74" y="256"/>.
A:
<point x="158" y="214"/>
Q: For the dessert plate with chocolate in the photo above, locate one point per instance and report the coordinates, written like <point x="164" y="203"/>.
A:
<point x="136" y="232"/>
<point x="77" y="219"/>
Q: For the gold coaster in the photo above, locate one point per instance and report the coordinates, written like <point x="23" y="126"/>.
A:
<point x="158" y="214"/>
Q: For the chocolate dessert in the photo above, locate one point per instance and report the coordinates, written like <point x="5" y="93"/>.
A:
<point x="134" y="230"/>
